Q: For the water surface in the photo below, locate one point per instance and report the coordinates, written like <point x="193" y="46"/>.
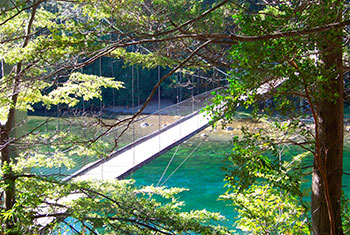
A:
<point x="201" y="173"/>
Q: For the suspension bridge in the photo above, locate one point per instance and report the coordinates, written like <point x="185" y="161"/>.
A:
<point x="188" y="121"/>
<point x="156" y="139"/>
<point x="147" y="147"/>
<point x="148" y="137"/>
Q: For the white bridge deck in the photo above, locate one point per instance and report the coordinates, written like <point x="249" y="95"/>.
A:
<point x="123" y="162"/>
<point x="135" y="155"/>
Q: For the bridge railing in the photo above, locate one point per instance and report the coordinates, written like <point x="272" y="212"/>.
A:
<point x="142" y="127"/>
<point x="147" y="124"/>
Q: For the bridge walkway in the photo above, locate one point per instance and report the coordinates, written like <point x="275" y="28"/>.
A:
<point x="133" y="156"/>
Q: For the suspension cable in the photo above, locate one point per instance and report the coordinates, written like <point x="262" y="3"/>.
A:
<point x="133" y="107"/>
<point x="159" y="119"/>
<point x="183" y="162"/>
<point x="138" y="85"/>
<point x="100" y="74"/>
<point x="167" y="167"/>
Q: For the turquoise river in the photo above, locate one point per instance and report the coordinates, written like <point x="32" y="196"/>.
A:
<point x="201" y="173"/>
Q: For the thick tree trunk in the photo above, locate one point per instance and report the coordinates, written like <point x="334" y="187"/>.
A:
<point x="331" y="154"/>
<point x="330" y="138"/>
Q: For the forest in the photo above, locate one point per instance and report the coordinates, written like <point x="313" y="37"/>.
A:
<point x="285" y="66"/>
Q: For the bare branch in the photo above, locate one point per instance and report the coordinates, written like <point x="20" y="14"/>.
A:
<point x="19" y="12"/>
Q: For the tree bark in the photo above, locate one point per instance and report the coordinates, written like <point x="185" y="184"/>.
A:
<point x="9" y="195"/>
<point x="5" y="131"/>
<point x="330" y="139"/>
<point x="331" y="155"/>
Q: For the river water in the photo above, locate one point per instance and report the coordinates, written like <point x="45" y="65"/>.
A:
<point x="201" y="173"/>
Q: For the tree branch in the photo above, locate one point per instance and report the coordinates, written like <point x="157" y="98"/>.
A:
<point x="19" y="12"/>
<point x="296" y="33"/>
<point x="154" y="90"/>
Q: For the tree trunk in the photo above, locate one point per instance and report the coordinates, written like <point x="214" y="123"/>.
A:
<point x="330" y="137"/>
<point x="5" y="132"/>
<point x="9" y="180"/>
<point x="331" y="155"/>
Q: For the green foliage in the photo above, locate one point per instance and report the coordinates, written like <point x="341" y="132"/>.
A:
<point x="345" y="213"/>
<point x="266" y="181"/>
<point x="48" y="58"/>
<point x="257" y="158"/>
<point x="121" y="208"/>
<point x="79" y="85"/>
<point x="48" y="50"/>
<point x="283" y="80"/>
<point x="263" y="209"/>
<point x="45" y="44"/>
